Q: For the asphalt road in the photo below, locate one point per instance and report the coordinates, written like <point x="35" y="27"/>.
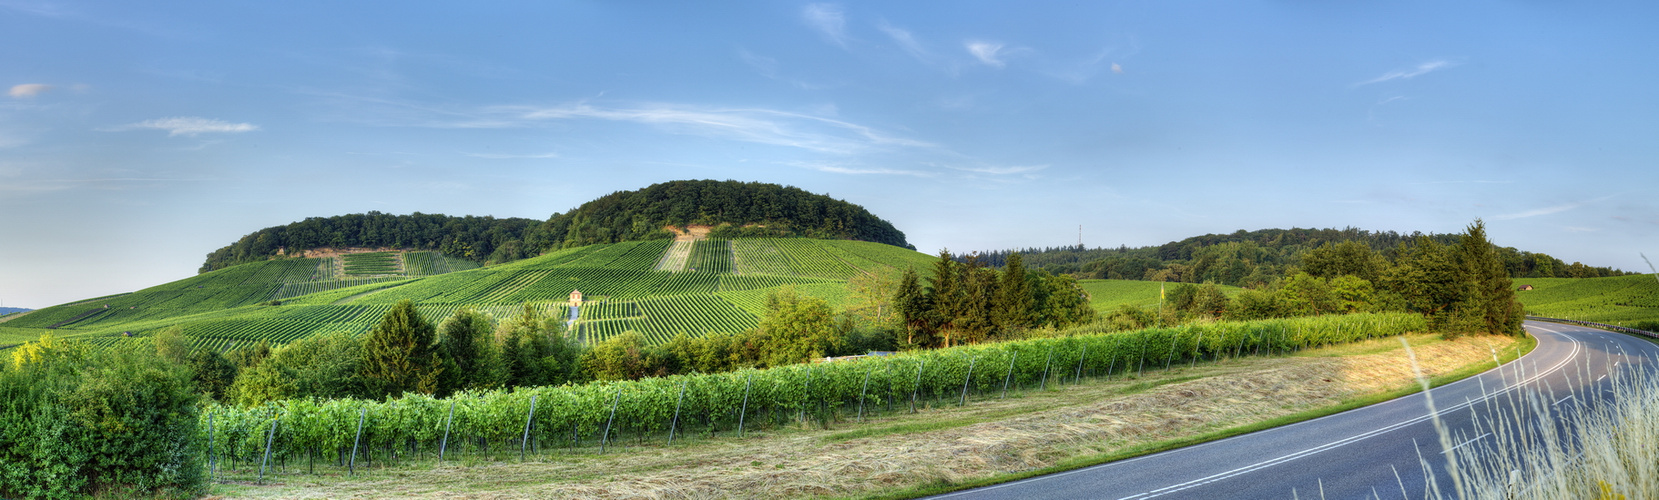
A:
<point x="1370" y="452"/>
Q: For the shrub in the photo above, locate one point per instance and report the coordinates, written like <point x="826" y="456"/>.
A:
<point x="117" y="421"/>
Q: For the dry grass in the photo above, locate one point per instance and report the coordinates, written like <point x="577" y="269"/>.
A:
<point x="1035" y="430"/>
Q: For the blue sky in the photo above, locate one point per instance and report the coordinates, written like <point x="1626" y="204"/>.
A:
<point x="135" y="139"/>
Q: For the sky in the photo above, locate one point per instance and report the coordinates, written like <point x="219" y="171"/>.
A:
<point x="136" y="138"/>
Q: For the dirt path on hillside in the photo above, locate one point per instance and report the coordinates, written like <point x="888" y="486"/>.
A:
<point x="678" y="255"/>
<point x="1029" y="431"/>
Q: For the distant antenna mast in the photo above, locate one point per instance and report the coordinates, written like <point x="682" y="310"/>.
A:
<point x="1079" y="236"/>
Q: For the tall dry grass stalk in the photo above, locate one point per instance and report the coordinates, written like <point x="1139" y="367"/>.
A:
<point x="1602" y="445"/>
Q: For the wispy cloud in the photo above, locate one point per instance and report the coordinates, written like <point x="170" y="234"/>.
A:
<point x="1117" y="69"/>
<point x="495" y="156"/>
<point x="189" y="126"/>
<point x="988" y="53"/>
<point x="1406" y="74"/>
<point x="1021" y="169"/>
<point x="829" y="20"/>
<point x="1549" y="210"/>
<point x="906" y="41"/>
<point x="28" y="90"/>
<point x="764" y="126"/>
<point x="838" y="169"/>
<point x="768" y="67"/>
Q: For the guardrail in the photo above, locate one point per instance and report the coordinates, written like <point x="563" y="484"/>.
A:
<point x="1603" y="326"/>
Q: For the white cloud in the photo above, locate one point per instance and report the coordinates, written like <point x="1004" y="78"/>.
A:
<point x="1421" y="69"/>
<point x="190" y="126"/>
<point x="757" y="125"/>
<point x="1021" y="169"/>
<point x="495" y="156"/>
<point x="837" y="169"/>
<point x="28" y="90"/>
<point x="1117" y="69"/>
<point x="986" y="52"/>
<point x="906" y="41"/>
<point x="1548" y="210"/>
<point x="829" y="20"/>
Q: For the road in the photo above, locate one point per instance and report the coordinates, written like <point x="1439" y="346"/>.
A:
<point x="1370" y="452"/>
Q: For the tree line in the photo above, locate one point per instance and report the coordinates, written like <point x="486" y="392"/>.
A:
<point x="480" y="239"/>
<point x="1256" y="258"/>
<point x="1460" y="286"/>
<point x="735" y="210"/>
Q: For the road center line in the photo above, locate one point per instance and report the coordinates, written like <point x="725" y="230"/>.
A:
<point x="1538" y="374"/>
<point x="1460" y="445"/>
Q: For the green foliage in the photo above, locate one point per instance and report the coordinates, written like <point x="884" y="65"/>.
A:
<point x="621" y="357"/>
<point x="329" y="365"/>
<point x="534" y="350"/>
<point x="464" y="340"/>
<point x="122" y="420"/>
<point x="471" y="238"/>
<point x="777" y="396"/>
<point x="400" y="354"/>
<point x="1627" y="300"/>
<point x="1257" y="258"/>
<point x="782" y="210"/>
<point x="797" y="329"/>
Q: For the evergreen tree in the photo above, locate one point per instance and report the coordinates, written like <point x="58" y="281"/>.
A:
<point x="401" y="355"/>
<point x="945" y="294"/>
<point x="1494" y="293"/>
<point x="1015" y="305"/>
<point x="913" y="307"/>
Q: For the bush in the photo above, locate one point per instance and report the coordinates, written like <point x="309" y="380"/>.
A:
<point x="118" y="421"/>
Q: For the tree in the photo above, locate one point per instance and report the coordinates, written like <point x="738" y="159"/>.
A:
<point x="534" y="350"/>
<point x="914" y="309"/>
<point x="621" y="357"/>
<point x="945" y="295"/>
<point x="1347" y="258"/>
<point x="1494" y="293"/>
<point x="463" y="339"/>
<point x="797" y="328"/>
<point x="401" y="355"/>
<point x="1015" y="307"/>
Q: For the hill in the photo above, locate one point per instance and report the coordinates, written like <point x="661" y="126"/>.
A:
<point x="478" y="239"/>
<point x="1631" y="301"/>
<point x="8" y="310"/>
<point x="1251" y="258"/>
<point x="722" y="288"/>
<point x="734" y="209"/>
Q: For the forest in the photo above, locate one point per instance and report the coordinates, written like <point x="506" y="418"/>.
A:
<point x="734" y="209"/>
<point x="1253" y="259"/>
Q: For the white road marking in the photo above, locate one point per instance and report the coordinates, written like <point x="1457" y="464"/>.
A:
<point x="1449" y="450"/>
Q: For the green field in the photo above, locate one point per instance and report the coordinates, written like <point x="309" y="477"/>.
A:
<point x="1620" y="300"/>
<point x="1107" y="295"/>
<point x="722" y="290"/>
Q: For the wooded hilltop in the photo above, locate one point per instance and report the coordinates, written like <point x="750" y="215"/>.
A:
<point x="734" y="209"/>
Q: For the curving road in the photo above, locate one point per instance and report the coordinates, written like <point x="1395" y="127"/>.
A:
<point x="1369" y="452"/>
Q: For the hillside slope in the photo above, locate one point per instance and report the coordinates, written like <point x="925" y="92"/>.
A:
<point x="1621" y="300"/>
<point x="723" y="290"/>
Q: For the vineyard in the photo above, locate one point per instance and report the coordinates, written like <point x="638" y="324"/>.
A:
<point x="348" y="433"/>
<point x="721" y="289"/>
<point x="1622" y="300"/>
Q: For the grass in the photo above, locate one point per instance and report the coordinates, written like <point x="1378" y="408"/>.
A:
<point x="947" y="447"/>
<point x="1608" y="452"/>
<point x="1107" y="295"/>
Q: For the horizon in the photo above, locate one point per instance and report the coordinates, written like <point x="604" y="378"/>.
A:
<point x="136" y="140"/>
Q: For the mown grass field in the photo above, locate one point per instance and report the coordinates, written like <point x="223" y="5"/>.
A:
<point x="722" y="289"/>
<point x="1621" y="300"/>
